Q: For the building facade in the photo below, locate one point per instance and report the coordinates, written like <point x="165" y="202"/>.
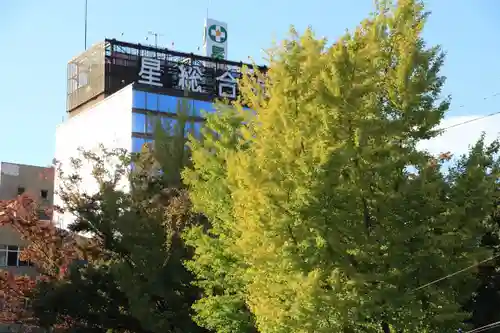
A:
<point x="17" y="179"/>
<point x="125" y="120"/>
<point x="118" y="92"/>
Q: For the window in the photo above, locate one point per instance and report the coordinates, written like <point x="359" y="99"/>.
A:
<point x="148" y="140"/>
<point x="138" y="122"/>
<point x="43" y="215"/>
<point x="44" y="194"/>
<point x="12" y="255"/>
<point x="20" y="190"/>
<point x="137" y="144"/>
<point x="169" y="124"/>
<point x="194" y="128"/>
<point x="184" y="106"/>
<point x="151" y="123"/>
<point x="152" y="101"/>
<point x="9" y="256"/>
<point x="3" y="255"/>
<point x="139" y="99"/>
<point x="200" y="107"/>
<point x="167" y="104"/>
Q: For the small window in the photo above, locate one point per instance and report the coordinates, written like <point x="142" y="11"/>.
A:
<point x="23" y="263"/>
<point x="167" y="103"/>
<point x="194" y="128"/>
<point x="12" y="257"/>
<point x="152" y="121"/>
<point x="20" y="190"/>
<point x="138" y="122"/>
<point x="137" y="144"/>
<point x="42" y="215"/>
<point x="201" y="107"/>
<point x="139" y="99"/>
<point x="44" y="194"/>
<point x="3" y="258"/>
<point x="152" y="101"/>
<point x="169" y="125"/>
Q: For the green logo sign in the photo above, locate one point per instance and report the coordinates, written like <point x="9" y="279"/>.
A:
<point x="217" y="52"/>
<point x="217" y="33"/>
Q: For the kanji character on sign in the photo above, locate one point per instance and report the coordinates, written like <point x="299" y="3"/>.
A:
<point x="190" y="78"/>
<point x="227" y="85"/>
<point x="150" y="72"/>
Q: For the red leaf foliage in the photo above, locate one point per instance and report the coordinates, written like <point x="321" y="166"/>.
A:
<point x="49" y="248"/>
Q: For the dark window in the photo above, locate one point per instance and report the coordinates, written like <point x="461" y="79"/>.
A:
<point x="24" y="263"/>
<point x="20" y="190"/>
<point x="3" y="255"/>
<point x="12" y="255"/>
<point x="42" y="215"/>
<point x="44" y="194"/>
<point x="9" y="256"/>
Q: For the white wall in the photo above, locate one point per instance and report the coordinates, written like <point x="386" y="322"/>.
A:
<point x="109" y="123"/>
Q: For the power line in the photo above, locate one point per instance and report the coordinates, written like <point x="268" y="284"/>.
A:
<point x="496" y="94"/>
<point x="471" y="120"/>
<point x="485" y="260"/>
<point x="455" y="273"/>
<point x="497" y="323"/>
<point x="485" y="327"/>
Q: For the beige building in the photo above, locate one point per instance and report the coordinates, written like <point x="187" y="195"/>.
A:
<point x="16" y="179"/>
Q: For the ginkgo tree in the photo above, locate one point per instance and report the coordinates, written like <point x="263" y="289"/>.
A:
<point x="325" y="216"/>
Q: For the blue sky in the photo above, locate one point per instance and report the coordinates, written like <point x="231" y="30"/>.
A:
<point x="38" y="38"/>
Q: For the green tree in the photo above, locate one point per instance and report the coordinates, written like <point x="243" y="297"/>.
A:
<point x="325" y="217"/>
<point x="486" y="299"/>
<point x="137" y="281"/>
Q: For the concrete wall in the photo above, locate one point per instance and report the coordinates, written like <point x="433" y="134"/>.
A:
<point x="109" y="123"/>
<point x="33" y="179"/>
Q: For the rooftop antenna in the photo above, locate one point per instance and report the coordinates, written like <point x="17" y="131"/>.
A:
<point x="208" y="5"/>
<point x="205" y="26"/>
<point x="157" y="35"/>
<point x="85" y="19"/>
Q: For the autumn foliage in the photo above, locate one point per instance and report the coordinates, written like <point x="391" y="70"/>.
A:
<point x="49" y="249"/>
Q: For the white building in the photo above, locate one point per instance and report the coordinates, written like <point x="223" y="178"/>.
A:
<point x="123" y="120"/>
<point x="118" y="91"/>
